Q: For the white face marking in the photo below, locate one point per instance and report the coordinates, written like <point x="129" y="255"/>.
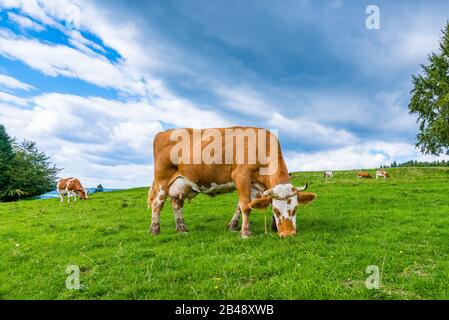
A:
<point x="283" y="206"/>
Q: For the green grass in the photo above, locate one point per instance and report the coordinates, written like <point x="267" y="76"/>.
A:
<point x="400" y="225"/>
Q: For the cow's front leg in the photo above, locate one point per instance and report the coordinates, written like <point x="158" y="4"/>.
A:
<point x="245" y="233"/>
<point x="234" y="224"/>
<point x="178" y="207"/>
<point x="244" y="192"/>
<point x="242" y="182"/>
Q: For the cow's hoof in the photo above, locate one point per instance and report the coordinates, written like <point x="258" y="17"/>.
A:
<point x="233" y="226"/>
<point x="155" y="229"/>
<point x="181" y="229"/>
<point x="245" y="234"/>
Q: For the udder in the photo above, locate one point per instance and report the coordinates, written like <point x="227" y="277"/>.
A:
<point x="182" y="189"/>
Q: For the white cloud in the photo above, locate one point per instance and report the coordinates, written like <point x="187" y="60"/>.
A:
<point x="310" y="132"/>
<point x="12" y="83"/>
<point x="84" y="45"/>
<point x="24" y="22"/>
<point x="60" y="60"/>
<point x="105" y="136"/>
<point x="244" y="101"/>
<point x="367" y="155"/>
<point x="402" y="43"/>
<point x="297" y="124"/>
<point x="9" y="98"/>
<point x="98" y="140"/>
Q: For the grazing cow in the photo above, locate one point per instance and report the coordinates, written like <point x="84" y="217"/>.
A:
<point x="364" y="175"/>
<point x="382" y="174"/>
<point x="72" y="188"/>
<point x="328" y="175"/>
<point x="258" y="183"/>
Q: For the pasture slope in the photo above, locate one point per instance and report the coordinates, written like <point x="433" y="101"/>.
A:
<point x="400" y="225"/>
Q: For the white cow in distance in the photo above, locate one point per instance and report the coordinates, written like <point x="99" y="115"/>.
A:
<point x="382" y="174"/>
<point x="328" y="175"/>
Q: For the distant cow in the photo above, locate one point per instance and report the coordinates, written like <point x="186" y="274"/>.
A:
<point x="71" y="187"/>
<point x="364" y="175"/>
<point x="382" y="174"/>
<point x="328" y="174"/>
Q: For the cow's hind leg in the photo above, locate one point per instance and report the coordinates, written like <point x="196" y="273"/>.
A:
<point x="178" y="207"/>
<point x="234" y="224"/>
<point x="157" y="197"/>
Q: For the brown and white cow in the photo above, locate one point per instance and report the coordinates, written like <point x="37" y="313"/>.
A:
<point x="364" y="175"/>
<point x="382" y="174"/>
<point x="256" y="188"/>
<point x="71" y="187"/>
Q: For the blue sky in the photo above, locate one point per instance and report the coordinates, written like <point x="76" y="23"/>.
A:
<point x="92" y="81"/>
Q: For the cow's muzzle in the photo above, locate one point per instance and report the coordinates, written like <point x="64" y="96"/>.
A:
<point x="286" y="228"/>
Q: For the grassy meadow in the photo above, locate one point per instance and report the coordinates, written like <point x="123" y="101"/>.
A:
<point x="400" y="225"/>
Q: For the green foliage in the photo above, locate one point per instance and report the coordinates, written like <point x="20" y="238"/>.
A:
<point x="400" y="225"/>
<point x="6" y="157"/>
<point x="430" y="101"/>
<point x="25" y="172"/>
<point x="415" y="163"/>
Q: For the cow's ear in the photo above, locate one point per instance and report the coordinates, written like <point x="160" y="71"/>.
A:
<point x="261" y="203"/>
<point x="306" y="197"/>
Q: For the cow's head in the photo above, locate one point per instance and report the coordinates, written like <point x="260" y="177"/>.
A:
<point x="284" y="199"/>
<point x="82" y="193"/>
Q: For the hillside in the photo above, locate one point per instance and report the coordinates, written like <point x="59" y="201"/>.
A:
<point x="400" y="225"/>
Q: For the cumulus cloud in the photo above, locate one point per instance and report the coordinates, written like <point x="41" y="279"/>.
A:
<point x="295" y="125"/>
<point x="101" y="141"/>
<point x="309" y="132"/>
<point x="9" y="98"/>
<point x="370" y="154"/>
<point x="79" y="132"/>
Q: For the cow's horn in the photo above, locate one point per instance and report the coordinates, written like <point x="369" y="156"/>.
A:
<point x="302" y="188"/>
